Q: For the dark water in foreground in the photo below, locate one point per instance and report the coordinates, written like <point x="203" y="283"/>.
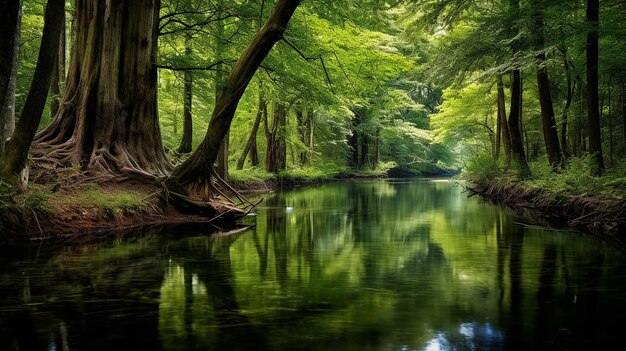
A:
<point x="412" y="265"/>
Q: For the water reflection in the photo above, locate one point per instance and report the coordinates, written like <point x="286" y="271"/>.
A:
<point x="357" y="266"/>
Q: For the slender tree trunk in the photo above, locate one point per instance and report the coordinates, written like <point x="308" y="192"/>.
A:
<point x="515" y="116"/>
<point x="302" y="133"/>
<point x="14" y="161"/>
<point x="195" y="173"/>
<point x="571" y="87"/>
<point x="624" y="114"/>
<point x="311" y="129"/>
<point x="593" y="114"/>
<point x="353" y="140"/>
<point x="108" y="120"/>
<point x="187" y="140"/>
<point x="376" y="159"/>
<point x="365" y="142"/>
<point x="10" y="18"/>
<point x="504" y="126"/>
<point x="58" y="75"/>
<point x="610" y="124"/>
<point x="220" y="46"/>
<point x="276" y="154"/>
<point x="251" y="144"/>
<point x="550" y="134"/>
<point x="517" y="147"/>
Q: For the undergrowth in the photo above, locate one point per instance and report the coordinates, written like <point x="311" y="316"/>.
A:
<point x="572" y="179"/>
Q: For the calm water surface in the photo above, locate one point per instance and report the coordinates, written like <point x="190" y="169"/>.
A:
<point x="396" y="265"/>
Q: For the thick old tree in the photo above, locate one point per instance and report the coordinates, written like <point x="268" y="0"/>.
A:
<point x="108" y="118"/>
<point x="194" y="176"/>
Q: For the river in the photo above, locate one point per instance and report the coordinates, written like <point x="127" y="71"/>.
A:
<point x="376" y="265"/>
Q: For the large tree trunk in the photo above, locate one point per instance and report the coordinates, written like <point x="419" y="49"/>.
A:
<point x="502" y="121"/>
<point x="14" y="161"/>
<point x="593" y="113"/>
<point x="250" y="147"/>
<point x="186" y="141"/>
<point x="58" y="74"/>
<point x="10" y="18"/>
<point x="194" y="175"/>
<point x="108" y="119"/>
<point x="550" y="135"/>
<point x="517" y="146"/>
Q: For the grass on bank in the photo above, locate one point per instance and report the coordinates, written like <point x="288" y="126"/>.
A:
<point x="573" y="179"/>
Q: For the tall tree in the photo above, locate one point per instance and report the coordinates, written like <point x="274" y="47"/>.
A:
<point x="10" y="18"/>
<point x="194" y="176"/>
<point x="517" y="146"/>
<point x="13" y="163"/>
<point x="275" y="135"/>
<point x="548" y="120"/>
<point x="593" y="112"/>
<point x="186" y="141"/>
<point x="503" y="126"/>
<point x="108" y="119"/>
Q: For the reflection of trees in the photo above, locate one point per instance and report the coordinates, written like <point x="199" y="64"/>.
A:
<point x="213" y="269"/>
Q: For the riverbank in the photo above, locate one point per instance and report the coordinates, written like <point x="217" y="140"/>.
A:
<point x="60" y="207"/>
<point x="604" y="216"/>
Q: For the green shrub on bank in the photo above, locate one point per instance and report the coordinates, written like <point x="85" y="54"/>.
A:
<point x="481" y="168"/>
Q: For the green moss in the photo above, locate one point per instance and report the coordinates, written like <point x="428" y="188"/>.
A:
<point x="111" y="203"/>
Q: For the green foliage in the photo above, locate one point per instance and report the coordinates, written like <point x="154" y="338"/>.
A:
<point x="312" y="174"/>
<point x="253" y="174"/>
<point x="481" y="168"/>
<point x="574" y="179"/>
<point x="36" y="201"/>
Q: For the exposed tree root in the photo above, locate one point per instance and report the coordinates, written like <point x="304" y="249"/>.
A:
<point x="600" y="216"/>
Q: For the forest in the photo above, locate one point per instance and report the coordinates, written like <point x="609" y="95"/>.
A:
<point x="126" y="107"/>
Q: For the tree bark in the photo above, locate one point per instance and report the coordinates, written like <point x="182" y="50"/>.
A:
<point x="194" y="175"/>
<point x="186" y="141"/>
<point x="276" y="154"/>
<point x="220" y="45"/>
<point x="108" y="119"/>
<point x="14" y="160"/>
<point x="550" y="135"/>
<point x="515" y="116"/>
<point x="502" y="121"/>
<point x="250" y="147"/>
<point x="571" y="88"/>
<point x="304" y="135"/>
<point x="593" y="113"/>
<point x="517" y="147"/>
<point x="58" y="74"/>
<point x="10" y="18"/>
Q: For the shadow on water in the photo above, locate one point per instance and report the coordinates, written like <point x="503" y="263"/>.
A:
<point x="411" y="265"/>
